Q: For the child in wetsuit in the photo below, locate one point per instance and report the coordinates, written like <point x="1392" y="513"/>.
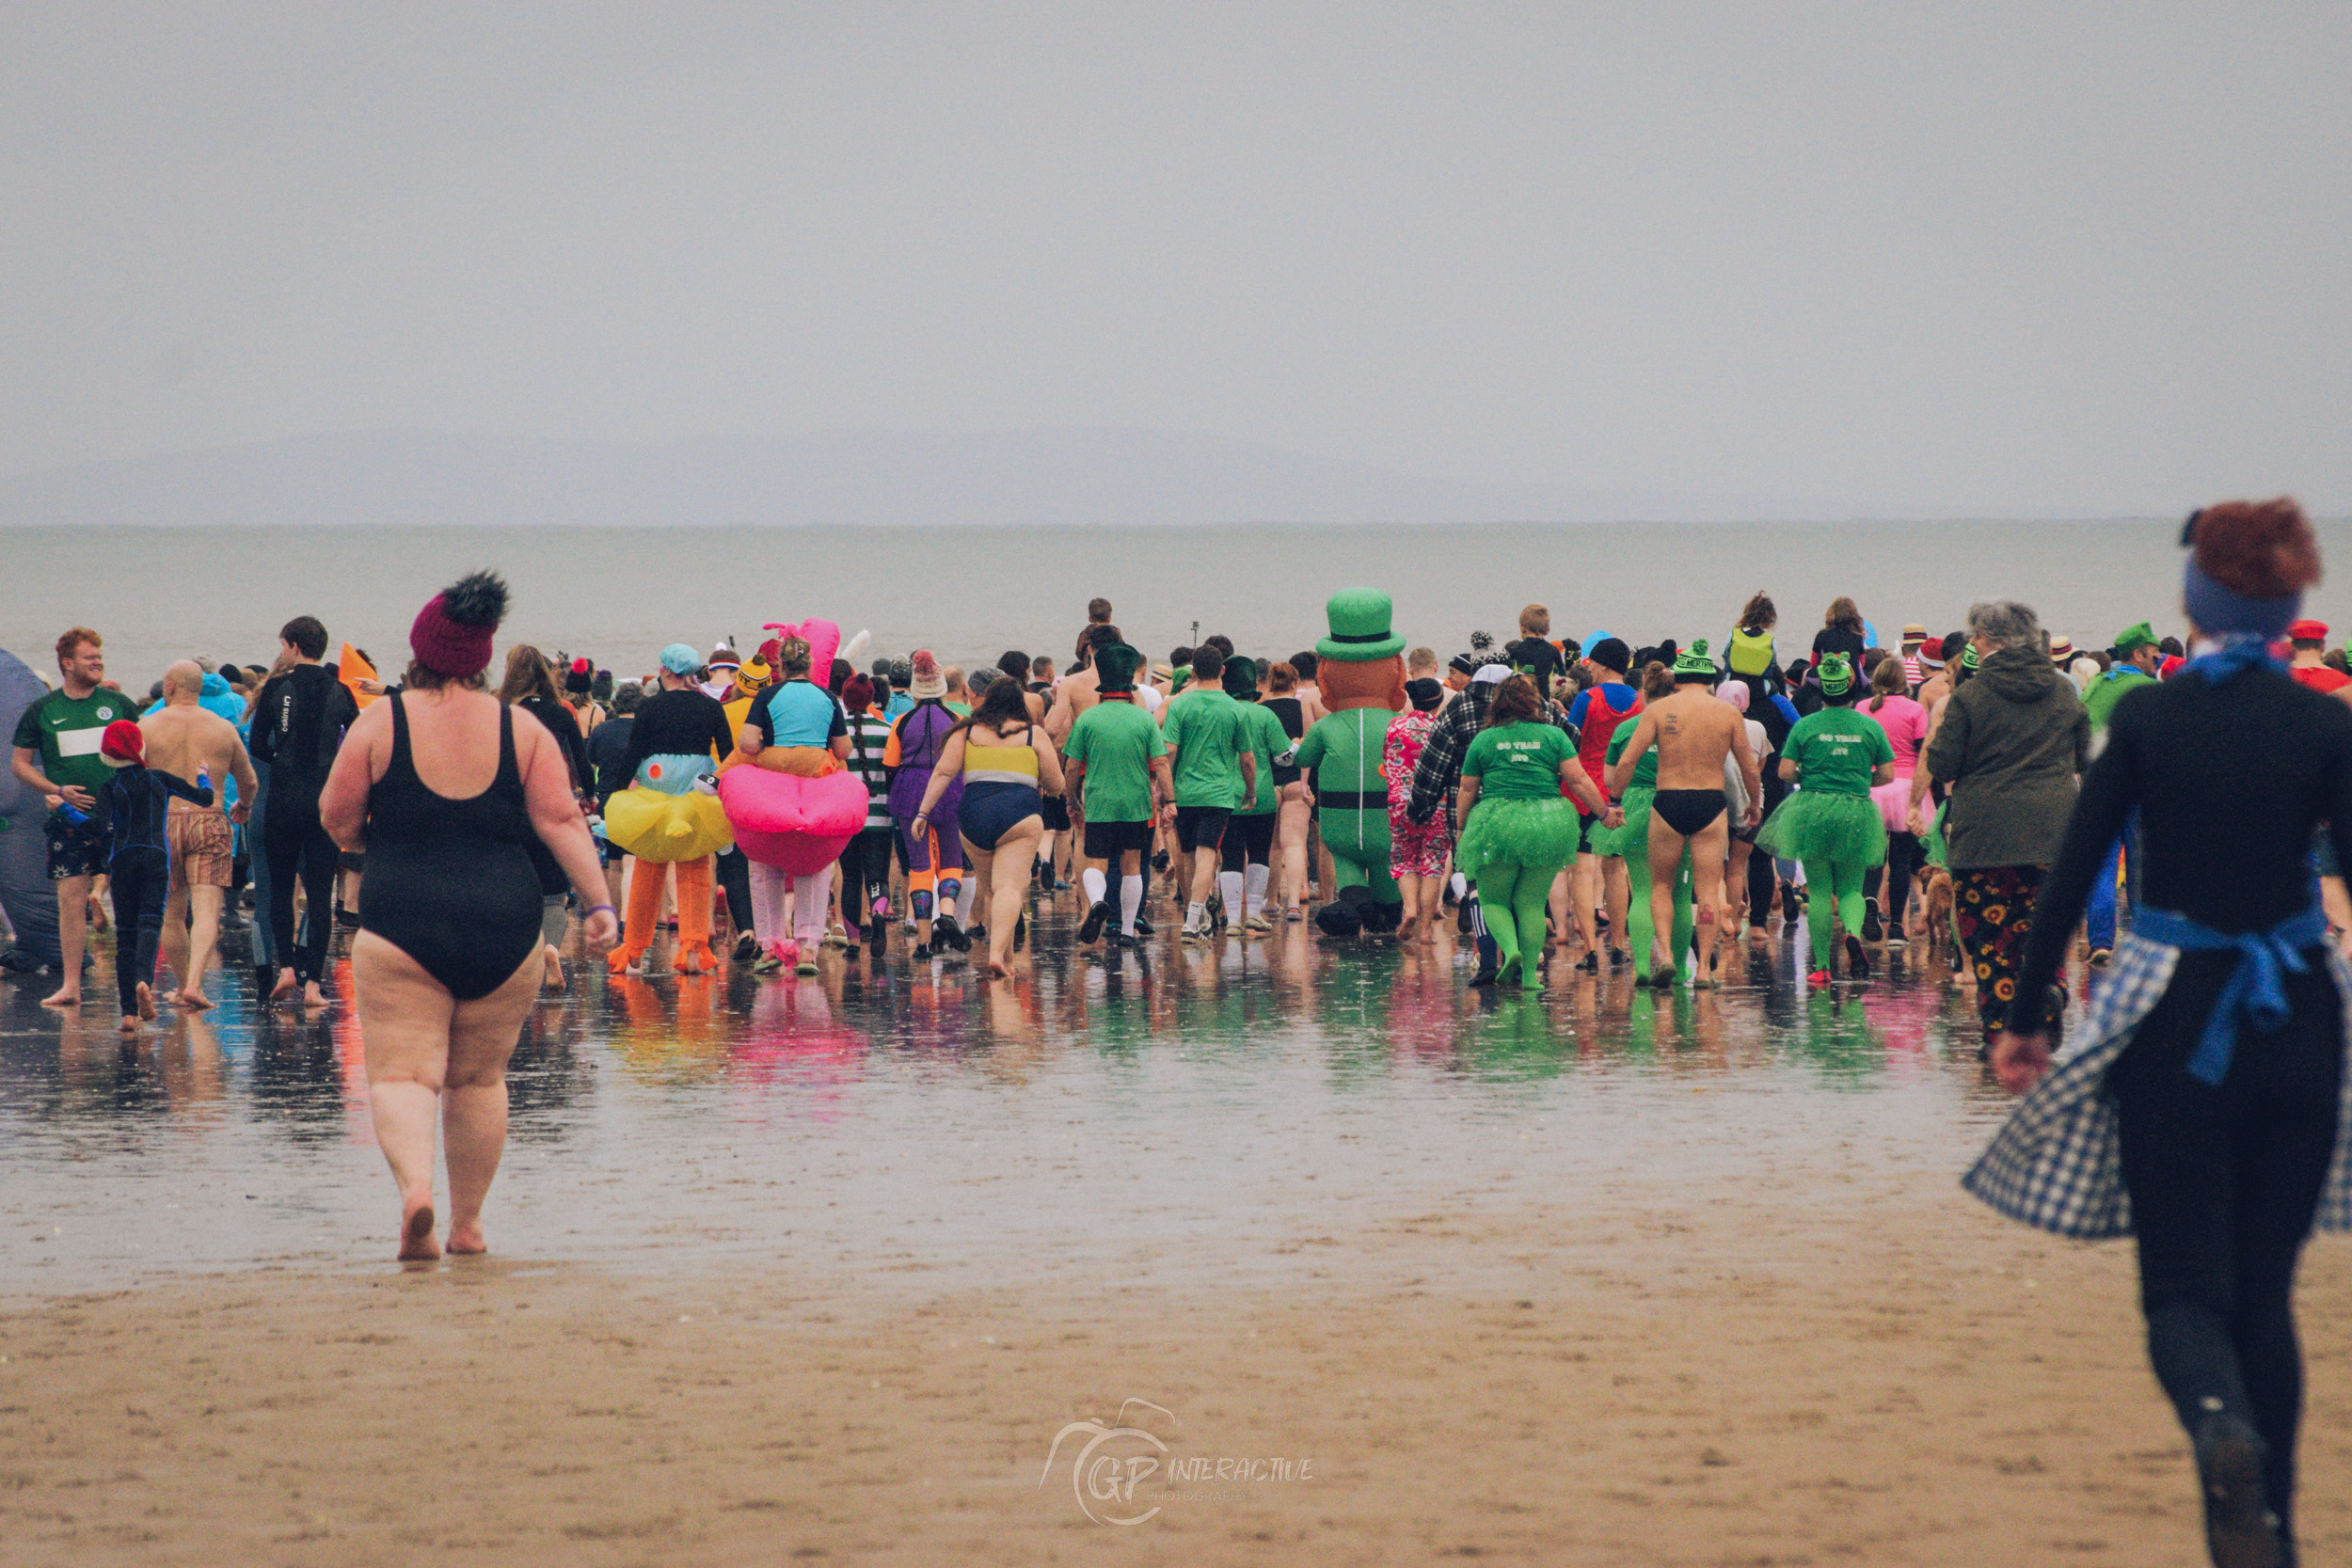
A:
<point x="138" y="865"/>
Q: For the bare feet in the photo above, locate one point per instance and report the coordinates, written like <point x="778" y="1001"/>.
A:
<point x="417" y="1245"/>
<point x="64" y="996"/>
<point x="147" y="1001"/>
<point x="312" y="996"/>
<point x="999" y="971"/>
<point x="465" y="1241"/>
<point x="130" y="1024"/>
<point x="191" y="997"/>
<point x="284" y="990"/>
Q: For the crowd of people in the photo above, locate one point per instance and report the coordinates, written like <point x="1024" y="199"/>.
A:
<point x="1580" y="805"/>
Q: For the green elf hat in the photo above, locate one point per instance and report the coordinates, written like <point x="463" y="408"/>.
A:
<point x="1836" y="674"/>
<point x="1692" y="663"/>
<point x="1115" y="668"/>
<point x="2141" y="636"/>
<point x="1359" y="627"/>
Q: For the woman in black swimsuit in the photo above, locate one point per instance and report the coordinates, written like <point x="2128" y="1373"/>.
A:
<point x="446" y="789"/>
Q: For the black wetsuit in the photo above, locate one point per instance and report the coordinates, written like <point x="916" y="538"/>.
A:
<point x="2230" y="782"/>
<point x="450" y="883"/>
<point x="139" y="868"/>
<point x="298" y="724"/>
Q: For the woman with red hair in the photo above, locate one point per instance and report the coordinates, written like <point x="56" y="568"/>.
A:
<point x="2202" y="1114"/>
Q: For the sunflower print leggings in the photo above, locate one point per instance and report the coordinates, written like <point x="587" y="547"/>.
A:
<point x="1994" y="908"/>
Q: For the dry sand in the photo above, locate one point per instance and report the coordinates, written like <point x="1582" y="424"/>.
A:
<point x="1882" y="1374"/>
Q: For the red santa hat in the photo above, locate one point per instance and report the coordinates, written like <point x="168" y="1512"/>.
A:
<point x="123" y="745"/>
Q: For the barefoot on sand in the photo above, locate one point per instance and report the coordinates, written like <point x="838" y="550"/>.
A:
<point x="62" y="997"/>
<point x="466" y="1241"/>
<point x="416" y="1236"/>
<point x="147" y="1001"/>
<point x="130" y="1024"/>
<point x="191" y="997"/>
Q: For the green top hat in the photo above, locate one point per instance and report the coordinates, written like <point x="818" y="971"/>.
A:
<point x="1241" y="679"/>
<point x="1836" y="674"/>
<point x="1359" y="627"/>
<point x="1968" y="660"/>
<point x="1692" y="660"/>
<point x="2141" y="636"/>
<point x="1115" y="668"/>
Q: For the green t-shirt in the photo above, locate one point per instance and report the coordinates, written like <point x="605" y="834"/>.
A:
<point x="1836" y="748"/>
<point x="2108" y="690"/>
<point x="1518" y="761"/>
<point x="1268" y="740"/>
<point x="1203" y="730"/>
<point x="1646" y="770"/>
<point x="1118" y="741"/>
<point x="66" y="732"/>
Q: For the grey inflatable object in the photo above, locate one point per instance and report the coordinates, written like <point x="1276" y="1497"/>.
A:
<point x="26" y="893"/>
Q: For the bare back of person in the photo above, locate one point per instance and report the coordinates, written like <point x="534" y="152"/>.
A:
<point x="1696" y="732"/>
<point x="184" y="738"/>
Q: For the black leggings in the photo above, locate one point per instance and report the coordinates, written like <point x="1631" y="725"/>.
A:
<point x="2223" y="1184"/>
<point x="137" y="879"/>
<point x="865" y="873"/>
<point x="1763" y="883"/>
<point x="735" y="881"/>
<point x="1903" y="858"/>
<point x="290" y="835"/>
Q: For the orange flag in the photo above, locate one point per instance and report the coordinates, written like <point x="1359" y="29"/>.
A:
<point x="352" y="668"/>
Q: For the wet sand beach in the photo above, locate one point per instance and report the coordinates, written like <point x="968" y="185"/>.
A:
<point x="1580" y="1277"/>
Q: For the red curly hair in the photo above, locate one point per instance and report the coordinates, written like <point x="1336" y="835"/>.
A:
<point x="2263" y="550"/>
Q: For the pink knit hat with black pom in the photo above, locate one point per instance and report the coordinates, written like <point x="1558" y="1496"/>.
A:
<point x="452" y="633"/>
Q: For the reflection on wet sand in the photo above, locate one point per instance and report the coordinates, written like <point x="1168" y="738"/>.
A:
<point x="879" y="1098"/>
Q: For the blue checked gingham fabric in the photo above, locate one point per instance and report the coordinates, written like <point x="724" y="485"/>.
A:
<point x="2057" y="1161"/>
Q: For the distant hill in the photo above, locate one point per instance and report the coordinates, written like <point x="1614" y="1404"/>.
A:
<point x="1103" y="477"/>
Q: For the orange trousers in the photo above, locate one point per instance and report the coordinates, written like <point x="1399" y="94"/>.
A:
<point x="693" y="954"/>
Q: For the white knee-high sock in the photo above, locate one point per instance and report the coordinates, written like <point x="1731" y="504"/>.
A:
<point x="1258" y="876"/>
<point x="1095" y="885"/>
<point x="1229" y="887"/>
<point x="1130" y="903"/>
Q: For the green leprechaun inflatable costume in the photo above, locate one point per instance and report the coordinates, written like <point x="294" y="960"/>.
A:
<point x="1361" y="676"/>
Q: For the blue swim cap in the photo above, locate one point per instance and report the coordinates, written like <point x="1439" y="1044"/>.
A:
<point x="681" y="658"/>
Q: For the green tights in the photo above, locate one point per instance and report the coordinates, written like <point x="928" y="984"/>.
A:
<point x="1641" y="926"/>
<point x="1512" y="898"/>
<point x="1833" y="887"/>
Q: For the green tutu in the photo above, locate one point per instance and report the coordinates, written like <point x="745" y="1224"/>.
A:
<point x="1528" y="833"/>
<point x="1631" y="840"/>
<point x="1936" y="852"/>
<point x="1815" y="825"/>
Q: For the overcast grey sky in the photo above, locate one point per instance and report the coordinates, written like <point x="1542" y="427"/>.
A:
<point x="2033" y="258"/>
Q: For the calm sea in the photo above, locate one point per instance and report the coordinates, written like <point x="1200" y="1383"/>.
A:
<point x="619" y="594"/>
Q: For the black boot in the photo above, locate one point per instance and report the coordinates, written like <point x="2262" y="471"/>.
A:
<point x="2239" y="1530"/>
